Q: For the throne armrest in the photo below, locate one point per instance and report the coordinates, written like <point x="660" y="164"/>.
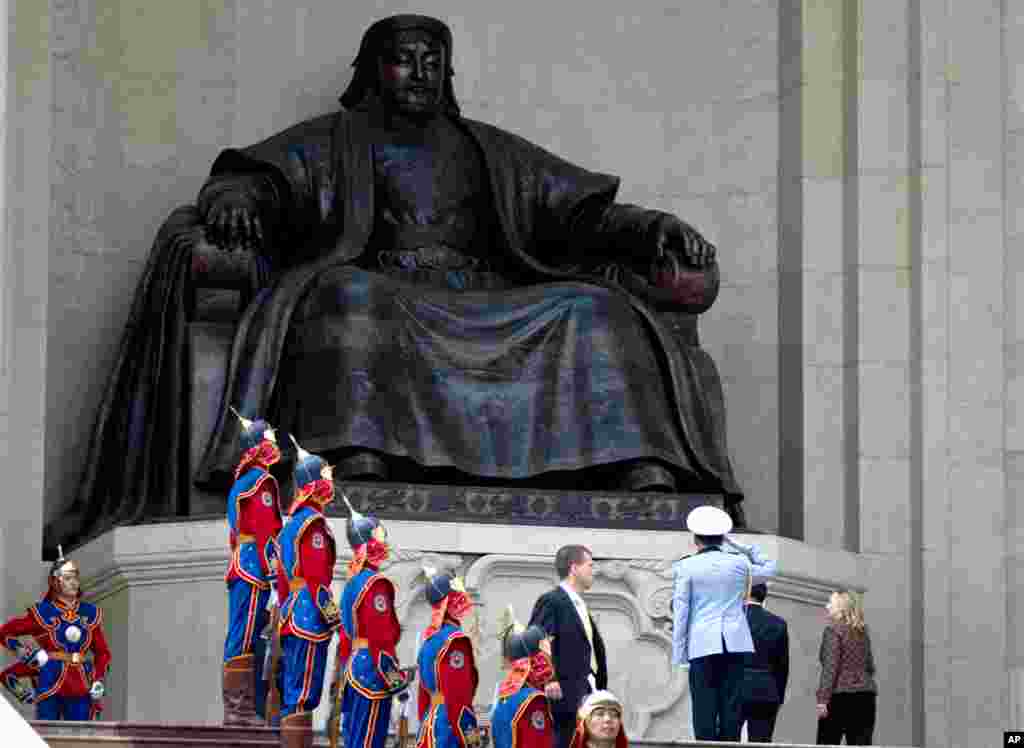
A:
<point x="221" y="284"/>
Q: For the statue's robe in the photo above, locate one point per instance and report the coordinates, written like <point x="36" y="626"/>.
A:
<point x="586" y="372"/>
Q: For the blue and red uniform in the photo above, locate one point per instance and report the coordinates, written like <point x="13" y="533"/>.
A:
<point x="367" y="641"/>
<point x="448" y="682"/>
<point x="521" y="716"/>
<point x="254" y="519"/>
<point x="522" y="719"/>
<point x="69" y="634"/>
<point x="309" y="615"/>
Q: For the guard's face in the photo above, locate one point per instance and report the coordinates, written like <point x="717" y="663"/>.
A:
<point x="411" y="73"/>
<point x="68" y="582"/>
<point x="604" y="723"/>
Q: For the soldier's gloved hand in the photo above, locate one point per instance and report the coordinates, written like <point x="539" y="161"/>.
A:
<point x="400" y="680"/>
<point x="97" y="690"/>
<point x="38" y="658"/>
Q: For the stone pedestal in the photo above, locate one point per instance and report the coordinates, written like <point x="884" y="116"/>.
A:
<point x="162" y="592"/>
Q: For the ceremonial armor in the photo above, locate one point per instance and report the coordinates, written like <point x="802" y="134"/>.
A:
<point x="369" y="598"/>
<point x="521" y="716"/>
<point x="254" y="519"/>
<point x="448" y="681"/>
<point x="308" y="610"/>
<point x="308" y="615"/>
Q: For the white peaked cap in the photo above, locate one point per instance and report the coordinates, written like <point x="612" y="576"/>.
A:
<point x="708" y="520"/>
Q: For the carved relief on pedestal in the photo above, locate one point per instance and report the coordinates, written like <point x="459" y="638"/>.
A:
<point x="623" y="601"/>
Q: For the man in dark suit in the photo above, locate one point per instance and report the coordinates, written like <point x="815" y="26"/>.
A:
<point x="576" y="645"/>
<point x="766" y="670"/>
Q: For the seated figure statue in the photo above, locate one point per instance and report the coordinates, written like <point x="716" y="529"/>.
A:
<point x="431" y="293"/>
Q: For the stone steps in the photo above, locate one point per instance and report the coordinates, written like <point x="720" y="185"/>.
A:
<point x="155" y="735"/>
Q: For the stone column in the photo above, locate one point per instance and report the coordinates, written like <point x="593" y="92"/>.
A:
<point x="24" y="244"/>
<point x="964" y="327"/>
<point x="1013" y="44"/>
<point x="817" y="278"/>
<point x="24" y="247"/>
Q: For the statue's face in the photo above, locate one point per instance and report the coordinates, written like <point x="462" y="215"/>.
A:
<point x="411" y="71"/>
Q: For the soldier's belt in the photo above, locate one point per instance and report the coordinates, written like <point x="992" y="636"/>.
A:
<point x="246" y="538"/>
<point x="296" y="584"/>
<point x="436" y="698"/>
<point x="360" y="643"/>
<point x="75" y="658"/>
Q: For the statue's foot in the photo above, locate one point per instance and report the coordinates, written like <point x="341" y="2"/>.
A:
<point x="362" y="465"/>
<point x="647" y="475"/>
<point x="735" y="510"/>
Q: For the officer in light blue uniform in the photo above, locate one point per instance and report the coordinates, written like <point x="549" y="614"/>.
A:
<point x="710" y="628"/>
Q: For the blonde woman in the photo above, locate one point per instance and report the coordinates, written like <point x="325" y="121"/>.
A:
<point x="847" y="690"/>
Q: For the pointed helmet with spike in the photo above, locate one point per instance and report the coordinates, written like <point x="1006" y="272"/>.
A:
<point x="253" y="431"/>
<point x="447" y="596"/>
<point x="308" y="466"/>
<point x="59" y="568"/>
<point x="517" y="640"/>
<point x="360" y="528"/>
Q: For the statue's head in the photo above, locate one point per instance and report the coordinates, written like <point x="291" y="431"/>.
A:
<point x="404" y="64"/>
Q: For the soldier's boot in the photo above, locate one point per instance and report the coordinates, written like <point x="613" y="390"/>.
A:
<point x="297" y="730"/>
<point x="239" y="692"/>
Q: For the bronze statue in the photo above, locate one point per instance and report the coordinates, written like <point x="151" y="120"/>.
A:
<point x="431" y="295"/>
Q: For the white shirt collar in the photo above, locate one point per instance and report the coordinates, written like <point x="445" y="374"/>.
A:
<point x="576" y="598"/>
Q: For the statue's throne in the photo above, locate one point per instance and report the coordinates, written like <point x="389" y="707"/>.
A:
<point x="222" y="284"/>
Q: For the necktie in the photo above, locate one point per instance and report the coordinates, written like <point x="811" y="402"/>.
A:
<point x="581" y="608"/>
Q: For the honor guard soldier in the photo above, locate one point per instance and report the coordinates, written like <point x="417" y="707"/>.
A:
<point x="521" y="717"/>
<point x="599" y="723"/>
<point x="308" y="615"/>
<point x="68" y="684"/>
<point x="368" y="637"/>
<point x="254" y="519"/>
<point x="447" y="668"/>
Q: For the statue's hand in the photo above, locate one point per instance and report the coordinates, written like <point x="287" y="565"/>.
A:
<point x="233" y="222"/>
<point x="674" y="235"/>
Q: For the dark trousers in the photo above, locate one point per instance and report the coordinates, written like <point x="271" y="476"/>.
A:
<point x="851" y="715"/>
<point x="760" y="720"/>
<point x="715" y="683"/>
<point x="564" y="722"/>
<point x="76" y="708"/>
<point x="565" y="726"/>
